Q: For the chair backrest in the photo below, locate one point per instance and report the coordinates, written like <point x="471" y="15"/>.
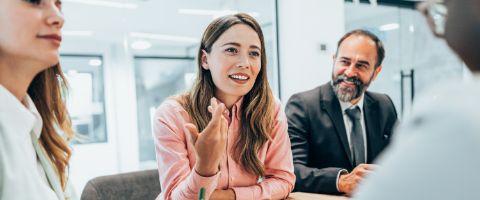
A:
<point x="134" y="185"/>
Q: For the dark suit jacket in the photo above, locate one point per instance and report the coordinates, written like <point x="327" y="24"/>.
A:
<point x="319" y="139"/>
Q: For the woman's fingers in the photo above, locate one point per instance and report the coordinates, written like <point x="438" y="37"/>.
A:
<point x="218" y="109"/>
<point x="213" y="103"/>
<point x="218" y="123"/>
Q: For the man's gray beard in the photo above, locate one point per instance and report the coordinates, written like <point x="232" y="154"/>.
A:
<point x="346" y="94"/>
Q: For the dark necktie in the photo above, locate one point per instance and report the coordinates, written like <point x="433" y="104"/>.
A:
<point x="356" y="136"/>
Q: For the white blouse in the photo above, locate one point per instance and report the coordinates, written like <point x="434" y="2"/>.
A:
<point x="22" y="175"/>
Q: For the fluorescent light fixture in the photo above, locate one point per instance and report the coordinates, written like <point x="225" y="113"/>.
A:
<point x="164" y="37"/>
<point x="95" y="62"/>
<point x="389" y="27"/>
<point x="141" y="45"/>
<point x="77" y="33"/>
<point x="213" y="13"/>
<point x="105" y="3"/>
<point x="197" y="12"/>
<point x="411" y="28"/>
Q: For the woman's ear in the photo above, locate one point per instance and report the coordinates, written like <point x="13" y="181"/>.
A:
<point x="204" y="60"/>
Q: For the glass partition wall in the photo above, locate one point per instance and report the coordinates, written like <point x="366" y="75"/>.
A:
<point x="85" y="103"/>
<point x="414" y="59"/>
<point x="156" y="79"/>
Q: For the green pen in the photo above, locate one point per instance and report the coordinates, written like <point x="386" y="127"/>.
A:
<point x="201" y="196"/>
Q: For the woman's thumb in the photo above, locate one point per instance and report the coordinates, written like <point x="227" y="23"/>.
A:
<point x="192" y="131"/>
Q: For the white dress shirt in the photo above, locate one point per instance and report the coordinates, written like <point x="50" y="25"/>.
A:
<point x="22" y="176"/>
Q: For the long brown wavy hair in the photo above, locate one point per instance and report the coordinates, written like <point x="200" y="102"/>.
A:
<point x="46" y="92"/>
<point x="256" y="109"/>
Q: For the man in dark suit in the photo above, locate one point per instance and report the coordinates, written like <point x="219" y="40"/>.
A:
<point x="339" y="127"/>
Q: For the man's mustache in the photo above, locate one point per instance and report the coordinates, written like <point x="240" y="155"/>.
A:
<point x="352" y="79"/>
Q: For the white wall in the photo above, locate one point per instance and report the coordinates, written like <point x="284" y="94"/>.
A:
<point x="303" y="26"/>
<point x="120" y="79"/>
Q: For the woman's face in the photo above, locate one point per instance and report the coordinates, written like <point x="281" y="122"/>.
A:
<point x="234" y="61"/>
<point x="30" y="31"/>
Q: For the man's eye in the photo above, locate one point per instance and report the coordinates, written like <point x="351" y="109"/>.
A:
<point x="361" y="66"/>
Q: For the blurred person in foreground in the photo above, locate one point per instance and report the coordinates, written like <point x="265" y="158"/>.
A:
<point x="435" y="153"/>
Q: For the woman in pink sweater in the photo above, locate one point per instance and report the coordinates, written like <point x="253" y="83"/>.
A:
<point x="228" y="134"/>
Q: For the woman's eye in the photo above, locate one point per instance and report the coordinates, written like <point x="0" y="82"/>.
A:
<point x="231" y="50"/>
<point x="34" y="2"/>
<point x="254" y="53"/>
<point x="59" y="4"/>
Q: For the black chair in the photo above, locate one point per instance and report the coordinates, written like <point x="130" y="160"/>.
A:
<point x="132" y="186"/>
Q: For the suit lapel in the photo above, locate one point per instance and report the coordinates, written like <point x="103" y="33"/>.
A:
<point x="330" y="104"/>
<point x="372" y="122"/>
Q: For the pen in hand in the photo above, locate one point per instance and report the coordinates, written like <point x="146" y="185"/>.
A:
<point x="201" y="196"/>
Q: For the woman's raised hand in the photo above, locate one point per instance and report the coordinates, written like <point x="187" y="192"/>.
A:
<point x="210" y="144"/>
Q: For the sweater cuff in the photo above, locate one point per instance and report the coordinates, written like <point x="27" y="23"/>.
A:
<point x="243" y="193"/>
<point x="198" y="181"/>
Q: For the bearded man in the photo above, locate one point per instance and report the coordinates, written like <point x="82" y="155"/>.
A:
<point x="337" y="129"/>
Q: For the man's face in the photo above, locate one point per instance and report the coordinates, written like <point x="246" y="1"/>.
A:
<point x="462" y="30"/>
<point x="354" y="67"/>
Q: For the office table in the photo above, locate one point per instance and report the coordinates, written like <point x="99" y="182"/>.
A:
<point x="312" y="196"/>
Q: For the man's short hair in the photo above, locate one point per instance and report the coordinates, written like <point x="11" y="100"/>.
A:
<point x="373" y="37"/>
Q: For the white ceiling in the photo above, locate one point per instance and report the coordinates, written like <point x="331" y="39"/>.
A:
<point x="112" y="25"/>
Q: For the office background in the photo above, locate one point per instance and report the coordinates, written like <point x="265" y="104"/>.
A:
<point x="124" y="57"/>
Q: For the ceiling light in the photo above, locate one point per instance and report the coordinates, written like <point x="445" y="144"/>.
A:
<point x="95" y="62"/>
<point x="141" y="45"/>
<point x="389" y="27"/>
<point x="213" y="13"/>
<point x="164" y="37"/>
<point x="105" y="3"/>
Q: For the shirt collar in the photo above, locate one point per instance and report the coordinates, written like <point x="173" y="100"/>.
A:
<point x="21" y="117"/>
<point x="348" y="105"/>
<point x="37" y="126"/>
